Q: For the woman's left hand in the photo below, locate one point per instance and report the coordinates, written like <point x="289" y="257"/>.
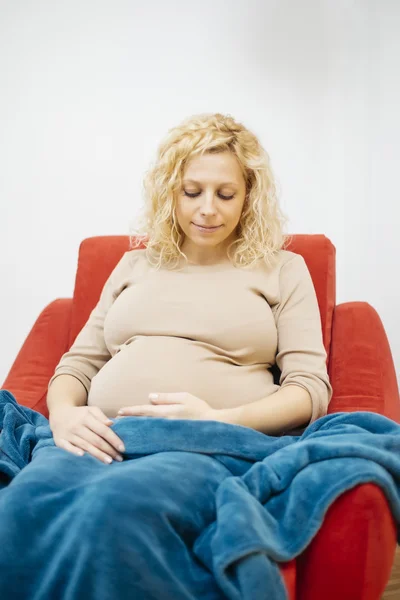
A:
<point x="171" y="405"/>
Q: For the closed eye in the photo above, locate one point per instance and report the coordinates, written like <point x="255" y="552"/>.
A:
<point x="198" y="194"/>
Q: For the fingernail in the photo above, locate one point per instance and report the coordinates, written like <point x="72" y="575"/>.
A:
<point x="120" y="412"/>
<point x="108" y="459"/>
<point x="119" y="458"/>
<point x="121" y="448"/>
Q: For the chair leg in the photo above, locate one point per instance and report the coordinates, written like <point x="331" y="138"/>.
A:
<point x="352" y="555"/>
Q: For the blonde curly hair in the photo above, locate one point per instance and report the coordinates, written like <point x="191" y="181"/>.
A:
<point x="260" y="230"/>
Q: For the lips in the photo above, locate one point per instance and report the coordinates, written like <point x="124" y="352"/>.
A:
<point x="207" y="226"/>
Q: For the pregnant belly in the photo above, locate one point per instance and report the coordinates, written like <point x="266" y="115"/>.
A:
<point x="168" y="364"/>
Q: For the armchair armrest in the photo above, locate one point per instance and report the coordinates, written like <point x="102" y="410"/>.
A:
<point x="351" y="556"/>
<point x="361" y="365"/>
<point x="36" y="361"/>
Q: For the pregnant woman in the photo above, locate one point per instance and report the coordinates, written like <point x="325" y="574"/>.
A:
<point x="144" y="482"/>
<point x="190" y="326"/>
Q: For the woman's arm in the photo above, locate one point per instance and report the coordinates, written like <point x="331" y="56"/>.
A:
<point x="305" y="389"/>
<point x="286" y="409"/>
<point x="89" y="352"/>
<point x="66" y="390"/>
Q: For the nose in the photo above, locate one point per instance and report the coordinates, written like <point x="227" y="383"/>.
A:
<point x="208" y="205"/>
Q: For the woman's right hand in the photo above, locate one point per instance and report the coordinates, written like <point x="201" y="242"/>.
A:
<point x="80" y="429"/>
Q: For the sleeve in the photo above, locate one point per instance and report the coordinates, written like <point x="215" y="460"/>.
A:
<point x="301" y="355"/>
<point x="89" y="352"/>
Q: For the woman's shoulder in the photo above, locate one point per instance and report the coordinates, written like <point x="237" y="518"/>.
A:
<point x="135" y="255"/>
<point x="136" y="261"/>
<point x="285" y="261"/>
<point x="291" y="260"/>
<point x="294" y="273"/>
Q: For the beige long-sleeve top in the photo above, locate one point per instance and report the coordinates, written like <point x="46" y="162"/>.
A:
<point x="213" y="331"/>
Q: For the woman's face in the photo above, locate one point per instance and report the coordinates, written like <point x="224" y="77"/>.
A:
<point x="212" y="194"/>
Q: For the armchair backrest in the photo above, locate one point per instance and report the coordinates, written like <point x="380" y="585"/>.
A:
<point x="99" y="255"/>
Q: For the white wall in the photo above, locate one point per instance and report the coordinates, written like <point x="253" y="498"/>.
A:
<point x="89" y="87"/>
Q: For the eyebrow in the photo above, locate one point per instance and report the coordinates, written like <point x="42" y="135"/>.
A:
<point x="199" y="183"/>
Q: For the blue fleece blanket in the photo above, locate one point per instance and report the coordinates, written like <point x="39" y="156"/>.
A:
<point x="197" y="510"/>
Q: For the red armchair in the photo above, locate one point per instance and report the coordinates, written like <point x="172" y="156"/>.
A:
<point x="351" y="556"/>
